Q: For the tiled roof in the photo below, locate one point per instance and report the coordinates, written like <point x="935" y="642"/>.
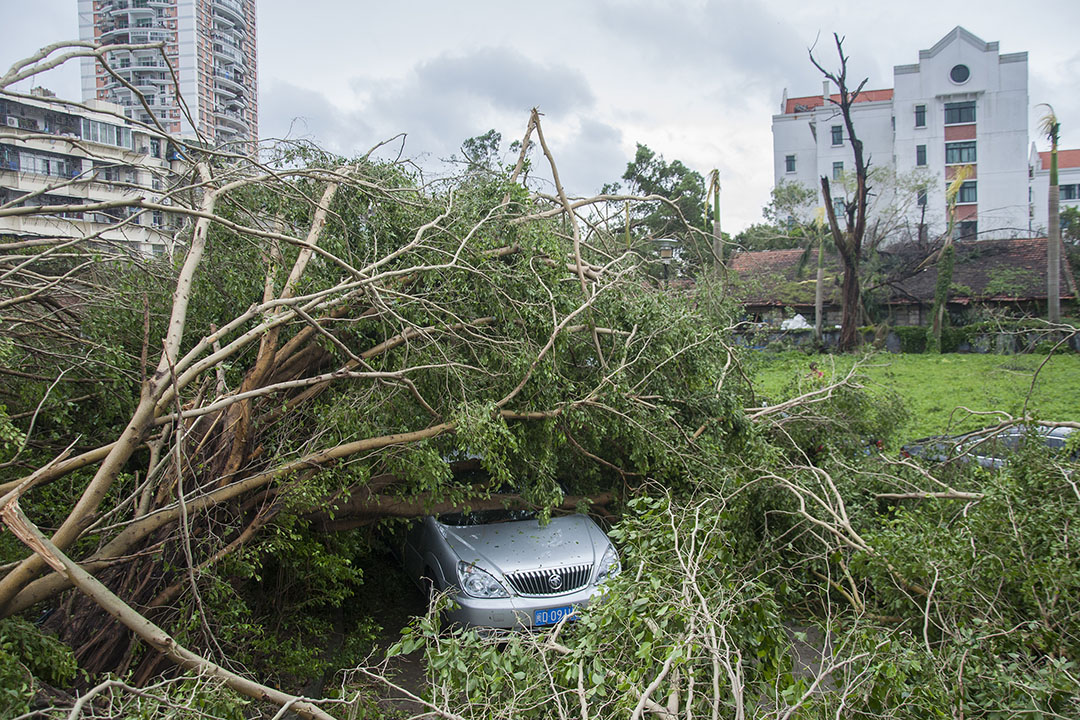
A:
<point x="1066" y="159"/>
<point x="772" y="277"/>
<point x="1004" y="269"/>
<point x="802" y="104"/>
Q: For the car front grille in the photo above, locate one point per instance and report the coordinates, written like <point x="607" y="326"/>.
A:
<point x="556" y="581"/>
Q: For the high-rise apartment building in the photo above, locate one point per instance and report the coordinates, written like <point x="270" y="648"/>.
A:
<point x="963" y="104"/>
<point x="58" y="154"/>
<point x="201" y="82"/>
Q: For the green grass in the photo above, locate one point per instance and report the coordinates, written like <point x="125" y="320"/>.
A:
<point x="935" y="387"/>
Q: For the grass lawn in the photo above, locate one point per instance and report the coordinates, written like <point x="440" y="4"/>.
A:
<point x="933" y="387"/>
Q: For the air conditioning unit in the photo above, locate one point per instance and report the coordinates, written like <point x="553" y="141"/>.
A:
<point x="12" y="121"/>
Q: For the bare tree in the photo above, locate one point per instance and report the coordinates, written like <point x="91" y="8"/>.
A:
<point x="849" y="239"/>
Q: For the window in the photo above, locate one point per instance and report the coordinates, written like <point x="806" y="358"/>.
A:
<point x="838" y="208"/>
<point x="966" y="230"/>
<point x="920" y="155"/>
<point x="920" y="116"/>
<point x="789" y="163"/>
<point x="106" y="134"/>
<point x="1069" y="192"/>
<point x="967" y="193"/>
<point x="837" y="134"/>
<point x="922" y="198"/>
<point x="960" y="152"/>
<point x="959" y="112"/>
<point x="959" y="74"/>
<point x="837" y="170"/>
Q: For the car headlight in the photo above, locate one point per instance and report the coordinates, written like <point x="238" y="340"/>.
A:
<point x="609" y="565"/>
<point x="479" y="583"/>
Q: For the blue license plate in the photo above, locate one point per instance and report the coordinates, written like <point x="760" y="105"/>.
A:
<point x="551" y="616"/>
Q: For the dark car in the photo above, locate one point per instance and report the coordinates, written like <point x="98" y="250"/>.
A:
<point x="989" y="449"/>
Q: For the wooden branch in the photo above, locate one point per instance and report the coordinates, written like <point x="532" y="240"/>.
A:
<point x="154" y="636"/>
<point x="951" y="495"/>
<point x="364" y="509"/>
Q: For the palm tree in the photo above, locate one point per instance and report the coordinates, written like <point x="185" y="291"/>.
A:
<point x="1052" y="129"/>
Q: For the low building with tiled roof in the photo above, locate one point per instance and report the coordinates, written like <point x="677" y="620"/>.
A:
<point x="1008" y="274"/>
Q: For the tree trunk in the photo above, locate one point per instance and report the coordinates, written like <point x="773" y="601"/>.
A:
<point x="849" y="336"/>
<point x="1053" y="258"/>
<point x="819" y="290"/>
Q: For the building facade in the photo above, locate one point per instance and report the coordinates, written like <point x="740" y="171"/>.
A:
<point x="57" y="154"/>
<point x="202" y="82"/>
<point x="962" y="104"/>
<point x="1068" y="185"/>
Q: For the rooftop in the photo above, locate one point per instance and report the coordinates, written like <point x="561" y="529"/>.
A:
<point x="984" y="270"/>
<point x="1066" y="159"/>
<point x="805" y="104"/>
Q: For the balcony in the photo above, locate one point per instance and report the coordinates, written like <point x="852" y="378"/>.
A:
<point x="229" y="80"/>
<point x="229" y="54"/>
<point x="231" y="122"/>
<point x="230" y="8"/>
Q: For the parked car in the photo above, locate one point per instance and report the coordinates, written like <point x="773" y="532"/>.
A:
<point x="988" y="450"/>
<point x="505" y="570"/>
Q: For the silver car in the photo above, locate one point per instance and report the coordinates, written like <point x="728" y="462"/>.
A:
<point x="506" y="570"/>
<point x="988" y="449"/>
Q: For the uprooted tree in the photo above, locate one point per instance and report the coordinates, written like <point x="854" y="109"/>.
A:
<point x="329" y="339"/>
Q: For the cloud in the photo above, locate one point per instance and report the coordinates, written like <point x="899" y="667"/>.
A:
<point x="713" y="41"/>
<point x="295" y="113"/>
<point x="446" y="99"/>
<point x="586" y="158"/>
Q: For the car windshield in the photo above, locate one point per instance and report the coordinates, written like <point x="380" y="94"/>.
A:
<point x="485" y="517"/>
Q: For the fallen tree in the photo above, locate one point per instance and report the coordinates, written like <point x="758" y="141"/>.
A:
<point x="328" y="338"/>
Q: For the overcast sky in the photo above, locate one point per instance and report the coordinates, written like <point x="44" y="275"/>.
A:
<point x="696" y="81"/>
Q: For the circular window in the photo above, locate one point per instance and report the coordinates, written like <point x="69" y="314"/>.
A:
<point x="959" y="74"/>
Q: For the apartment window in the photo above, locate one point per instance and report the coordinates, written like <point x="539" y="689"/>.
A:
<point x="967" y="193"/>
<point x="920" y="116"/>
<point x="837" y="134"/>
<point x="959" y="112"/>
<point x="922" y="198"/>
<point x="960" y="152"/>
<point x="1069" y="192"/>
<point x="106" y="134"/>
<point x="966" y="230"/>
<point x="789" y="163"/>
<point x="837" y="170"/>
<point x="920" y="155"/>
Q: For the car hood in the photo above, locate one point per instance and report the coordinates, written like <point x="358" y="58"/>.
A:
<point x="525" y="545"/>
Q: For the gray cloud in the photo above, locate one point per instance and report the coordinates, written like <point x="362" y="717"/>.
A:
<point x="295" y="113"/>
<point x="587" y="158"/>
<point x="506" y="80"/>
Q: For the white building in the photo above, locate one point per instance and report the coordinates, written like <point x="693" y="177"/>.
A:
<point x="963" y="103"/>
<point x="210" y="45"/>
<point x="54" y="153"/>
<point x="1068" y="184"/>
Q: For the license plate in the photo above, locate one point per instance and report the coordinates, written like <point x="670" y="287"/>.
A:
<point x="551" y="615"/>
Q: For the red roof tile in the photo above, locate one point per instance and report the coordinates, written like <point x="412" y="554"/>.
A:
<point x="992" y="269"/>
<point x="802" y="104"/>
<point x="1066" y="158"/>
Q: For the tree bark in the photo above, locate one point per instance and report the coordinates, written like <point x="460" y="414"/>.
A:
<point x="1053" y="257"/>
